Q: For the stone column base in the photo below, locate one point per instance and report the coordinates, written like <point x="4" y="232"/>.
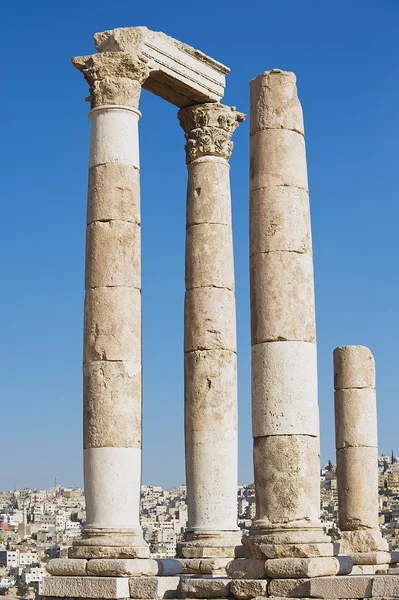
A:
<point x="209" y="544"/>
<point x="110" y="544"/>
<point x="289" y="540"/>
<point x="113" y="567"/>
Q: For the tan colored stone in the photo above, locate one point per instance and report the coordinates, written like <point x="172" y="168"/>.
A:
<point x="289" y="588"/>
<point x="293" y="568"/>
<point x="154" y="587"/>
<point x="113" y="255"/>
<point x="122" y="567"/>
<point x="208" y="130"/>
<point x="285" y="370"/>
<point x="177" y="72"/>
<point x="209" y="320"/>
<point x="114" y="193"/>
<point x="357" y="510"/>
<point x="354" y="367"/>
<point x="280" y="220"/>
<point x="113" y="78"/>
<point x="370" y="558"/>
<point x="296" y="550"/>
<point x="274" y="102"/>
<point x="209" y="256"/>
<point x="86" y="587"/>
<point x="205" y="552"/>
<point x="355" y="418"/>
<point x="282" y="298"/>
<point x="212" y="491"/>
<point x="287" y="494"/>
<point x="363" y="570"/>
<point x="204" y="566"/>
<point x="289" y="534"/>
<point x="246" y="568"/>
<point x="363" y="540"/>
<point x="210" y="390"/>
<point x="208" y="192"/>
<point x="278" y="157"/>
<point x="349" y="586"/>
<point x="66" y="566"/>
<point x="113" y="324"/>
<point x="112" y="392"/>
<point x="205" y="588"/>
<point x="105" y="552"/>
<point x="245" y="589"/>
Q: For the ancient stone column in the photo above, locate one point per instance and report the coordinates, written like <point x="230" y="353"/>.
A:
<point x="357" y="455"/>
<point x="210" y="336"/>
<point x="112" y="331"/>
<point x="284" y="370"/>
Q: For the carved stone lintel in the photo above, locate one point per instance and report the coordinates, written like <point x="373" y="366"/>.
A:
<point x="208" y="129"/>
<point x="113" y="77"/>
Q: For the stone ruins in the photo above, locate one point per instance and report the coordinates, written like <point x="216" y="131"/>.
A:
<point x="288" y="553"/>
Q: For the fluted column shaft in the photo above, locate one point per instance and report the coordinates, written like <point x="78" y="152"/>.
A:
<point x="112" y="330"/>
<point x="284" y="368"/>
<point x="210" y="330"/>
<point x="357" y="449"/>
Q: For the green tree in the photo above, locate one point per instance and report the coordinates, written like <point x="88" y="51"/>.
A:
<point x="22" y="589"/>
<point x="329" y="466"/>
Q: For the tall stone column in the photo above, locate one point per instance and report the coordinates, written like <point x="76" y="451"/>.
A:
<point x="112" y="330"/>
<point x="357" y="455"/>
<point x="210" y="336"/>
<point x="285" y="411"/>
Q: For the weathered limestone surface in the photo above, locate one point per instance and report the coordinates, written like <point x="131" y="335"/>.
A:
<point x="114" y="193"/>
<point x="67" y="566"/>
<point x="246" y="568"/>
<point x="354" y="367"/>
<point x="86" y="587"/>
<point x="132" y="567"/>
<point x="292" y="568"/>
<point x="356" y="411"/>
<point x="112" y="332"/>
<point x="283" y="218"/>
<point x="177" y="72"/>
<point x="282" y="297"/>
<point x="289" y="588"/>
<point x="357" y="453"/>
<point x="287" y="495"/>
<point x="352" y="586"/>
<point x="245" y="589"/>
<point x="205" y="588"/>
<point x="210" y="337"/>
<point x="154" y="587"/>
<point x="357" y="488"/>
<point x="284" y="370"/>
<point x="204" y="566"/>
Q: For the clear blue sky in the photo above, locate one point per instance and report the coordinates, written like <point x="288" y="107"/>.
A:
<point x="345" y="55"/>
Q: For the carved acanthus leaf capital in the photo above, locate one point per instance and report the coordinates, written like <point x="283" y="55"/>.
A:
<point x="113" y="77"/>
<point x="208" y="129"/>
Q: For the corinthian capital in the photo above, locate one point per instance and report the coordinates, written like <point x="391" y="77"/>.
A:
<point x="208" y="129"/>
<point x="113" y="77"/>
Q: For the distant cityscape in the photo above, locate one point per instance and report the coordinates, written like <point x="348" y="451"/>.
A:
<point x="37" y="525"/>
